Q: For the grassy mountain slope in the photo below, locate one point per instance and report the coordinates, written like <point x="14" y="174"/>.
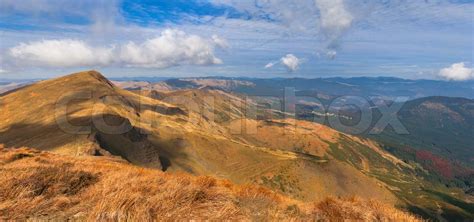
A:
<point x="156" y="134"/>
<point x="44" y="186"/>
<point x="441" y="125"/>
<point x="182" y="131"/>
<point x="73" y="115"/>
<point x="327" y="148"/>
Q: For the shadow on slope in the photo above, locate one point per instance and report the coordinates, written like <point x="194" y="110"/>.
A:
<point x="106" y="134"/>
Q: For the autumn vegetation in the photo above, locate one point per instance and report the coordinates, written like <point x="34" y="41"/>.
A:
<point x="38" y="185"/>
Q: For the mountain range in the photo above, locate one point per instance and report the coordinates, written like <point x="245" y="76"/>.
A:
<point x="219" y="128"/>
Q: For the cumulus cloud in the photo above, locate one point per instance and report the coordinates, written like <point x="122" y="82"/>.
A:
<point x="61" y="53"/>
<point x="290" y="61"/>
<point x="457" y="72"/>
<point x="334" y="20"/>
<point x="171" y="48"/>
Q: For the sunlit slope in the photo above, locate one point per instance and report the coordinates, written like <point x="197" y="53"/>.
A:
<point x="310" y="158"/>
<point x="202" y="132"/>
<point x="79" y="114"/>
<point x="286" y="155"/>
<point x="49" y="187"/>
<point x="102" y="119"/>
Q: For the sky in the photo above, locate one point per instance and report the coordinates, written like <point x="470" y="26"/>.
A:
<point x="414" y="39"/>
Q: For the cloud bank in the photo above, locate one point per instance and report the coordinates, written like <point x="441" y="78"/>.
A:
<point x="171" y="48"/>
<point x="457" y="72"/>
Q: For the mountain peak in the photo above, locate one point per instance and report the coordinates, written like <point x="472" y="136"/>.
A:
<point x="90" y="76"/>
<point x="91" y="73"/>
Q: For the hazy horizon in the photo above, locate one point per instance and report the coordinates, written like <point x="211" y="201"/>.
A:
<point x="158" y="76"/>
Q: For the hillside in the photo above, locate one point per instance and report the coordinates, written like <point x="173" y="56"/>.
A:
<point x="83" y="112"/>
<point x="439" y="135"/>
<point x="311" y="141"/>
<point x="44" y="186"/>
<point x="207" y="132"/>
<point x="440" y="138"/>
<point x="442" y="125"/>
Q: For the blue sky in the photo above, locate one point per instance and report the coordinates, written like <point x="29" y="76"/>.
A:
<point x="431" y="39"/>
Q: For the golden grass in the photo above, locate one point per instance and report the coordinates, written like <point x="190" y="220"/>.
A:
<point x="192" y="143"/>
<point x="39" y="185"/>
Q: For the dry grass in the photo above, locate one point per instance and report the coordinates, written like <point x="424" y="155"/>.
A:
<point x="191" y="143"/>
<point x="360" y="210"/>
<point x="39" y="185"/>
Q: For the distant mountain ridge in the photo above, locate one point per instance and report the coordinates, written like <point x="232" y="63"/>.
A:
<point x="388" y="87"/>
<point x="442" y="125"/>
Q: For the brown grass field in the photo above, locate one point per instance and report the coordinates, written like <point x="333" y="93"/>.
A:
<point x="38" y="185"/>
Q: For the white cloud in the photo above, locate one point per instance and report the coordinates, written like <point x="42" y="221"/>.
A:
<point x="3" y="71"/>
<point x="171" y="48"/>
<point x="61" y="53"/>
<point x="270" y="65"/>
<point x="267" y="30"/>
<point x="334" y="20"/>
<point x="457" y="72"/>
<point x="327" y="19"/>
<point x="290" y="61"/>
<point x="331" y="54"/>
